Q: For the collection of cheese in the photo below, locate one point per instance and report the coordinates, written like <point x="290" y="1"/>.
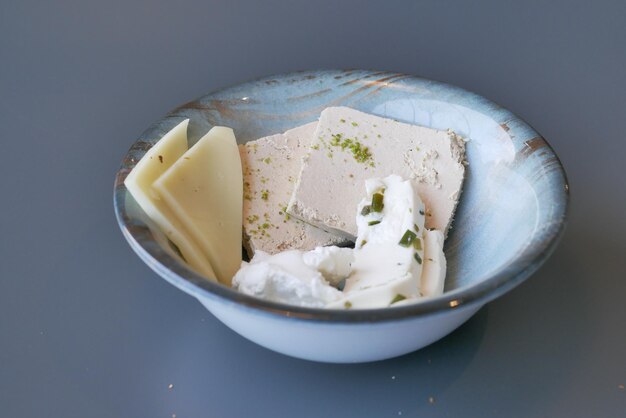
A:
<point x="297" y="201"/>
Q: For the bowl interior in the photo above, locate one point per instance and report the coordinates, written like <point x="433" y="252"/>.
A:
<point x="514" y="200"/>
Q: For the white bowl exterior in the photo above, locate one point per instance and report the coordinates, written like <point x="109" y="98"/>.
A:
<point x="337" y="342"/>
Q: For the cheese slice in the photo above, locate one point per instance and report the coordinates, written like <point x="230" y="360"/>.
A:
<point x="204" y="188"/>
<point x="139" y="183"/>
<point x="349" y="147"/>
<point x="270" y="167"/>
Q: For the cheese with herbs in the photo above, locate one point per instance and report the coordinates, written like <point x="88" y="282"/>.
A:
<point x="389" y="252"/>
<point x="270" y="168"/>
<point x="349" y="146"/>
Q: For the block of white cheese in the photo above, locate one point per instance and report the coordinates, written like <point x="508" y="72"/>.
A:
<point x="288" y="277"/>
<point x="139" y="183"/>
<point x="389" y="253"/>
<point x="270" y="167"/>
<point x="350" y="146"/>
<point x="204" y="188"/>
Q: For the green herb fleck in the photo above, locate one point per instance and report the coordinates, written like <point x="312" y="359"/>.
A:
<point x="267" y="160"/>
<point x="418" y="258"/>
<point x="366" y="210"/>
<point x="342" y="120"/>
<point x="252" y="219"/>
<point x="265" y="225"/>
<point x="377" y="202"/>
<point x="355" y="124"/>
<point x="417" y="244"/>
<point x="378" y="136"/>
<point x="397" y="299"/>
<point x="417" y="149"/>
<point x="372" y="223"/>
<point x="417" y="228"/>
<point x="347" y="304"/>
<point x="363" y="242"/>
<point x="407" y="239"/>
<point x="265" y="194"/>
<point x="360" y="153"/>
<point x="315" y="147"/>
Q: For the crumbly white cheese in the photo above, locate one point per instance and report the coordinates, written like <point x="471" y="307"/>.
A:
<point x="270" y="167"/>
<point x="333" y="262"/>
<point x="286" y="278"/>
<point x="350" y="146"/>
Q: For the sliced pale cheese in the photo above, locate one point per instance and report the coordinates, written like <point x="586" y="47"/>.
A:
<point x="270" y="167"/>
<point x="204" y="188"/>
<point x="350" y="146"/>
<point x="139" y="183"/>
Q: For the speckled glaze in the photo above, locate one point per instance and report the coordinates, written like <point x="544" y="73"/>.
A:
<point x="511" y="214"/>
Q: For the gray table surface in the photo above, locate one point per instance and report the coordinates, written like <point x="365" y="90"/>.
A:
<point x="87" y="330"/>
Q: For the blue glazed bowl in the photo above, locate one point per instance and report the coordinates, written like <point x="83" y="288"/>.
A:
<point x="511" y="215"/>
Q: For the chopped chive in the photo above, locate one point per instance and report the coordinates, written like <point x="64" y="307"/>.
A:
<point x="363" y="242"/>
<point x="377" y="202"/>
<point x="417" y="244"/>
<point x="342" y="120"/>
<point x="347" y="304"/>
<point x="397" y="299"/>
<point x="417" y="228"/>
<point x="366" y="210"/>
<point x="407" y="239"/>
<point x="355" y="124"/>
<point x="418" y="258"/>
<point x="372" y="223"/>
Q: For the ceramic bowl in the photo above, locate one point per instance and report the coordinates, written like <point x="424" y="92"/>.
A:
<point x="511" y="214"/>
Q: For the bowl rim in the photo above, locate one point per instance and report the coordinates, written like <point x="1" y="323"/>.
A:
<point x="499" y="282"/>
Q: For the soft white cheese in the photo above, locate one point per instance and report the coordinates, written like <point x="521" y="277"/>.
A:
<point x="270" y="169"/>
<point x="333" y="262"/>
<point x="390" y="249"/>
<point x="350" y="146"/>
<point x="285" y="278"/>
